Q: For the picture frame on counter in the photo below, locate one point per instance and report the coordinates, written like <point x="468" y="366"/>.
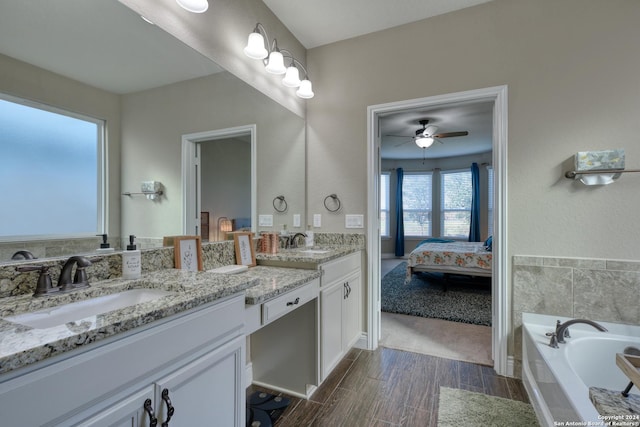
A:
<point x="245" y="252"/>
<point x="188" y="253"/>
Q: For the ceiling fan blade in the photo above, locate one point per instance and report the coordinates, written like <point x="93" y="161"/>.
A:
<point x="451" y="134"/>
<point x="402" y="143"/>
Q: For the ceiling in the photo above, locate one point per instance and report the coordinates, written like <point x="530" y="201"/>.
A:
<point x="77" y="39"/>
<point x="319" y="22"/>
<point x="476" y="118"/>
<point x="64" y="35"/>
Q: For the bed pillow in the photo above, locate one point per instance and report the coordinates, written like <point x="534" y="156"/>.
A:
<point x="435" y="240"/>
<point x="488" y="244"/>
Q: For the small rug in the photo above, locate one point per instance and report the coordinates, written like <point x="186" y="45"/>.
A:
<point x="466" y="300"/>
<point x="263" y="409"/>
<point x="466" y="408"/>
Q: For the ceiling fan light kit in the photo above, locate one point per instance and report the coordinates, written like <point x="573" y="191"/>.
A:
<point x="424" y="141"/>
<point x="259" y="47"/>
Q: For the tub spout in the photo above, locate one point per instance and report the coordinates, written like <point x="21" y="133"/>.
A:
<point x="562" y="330"/>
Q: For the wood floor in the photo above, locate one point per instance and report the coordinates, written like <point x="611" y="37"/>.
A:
<point x="390" y="387"/>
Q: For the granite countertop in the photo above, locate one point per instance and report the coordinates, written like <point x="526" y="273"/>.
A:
<point x="22" y="345"/>
<point x="274" y="281"/>
<point x="305" y="257"/>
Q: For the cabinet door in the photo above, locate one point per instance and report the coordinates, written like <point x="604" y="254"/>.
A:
<point x="331" y="326"/>
<point x="128" y="412"/>
<point x="351" y="312"/>
<point x="207" y="391"/>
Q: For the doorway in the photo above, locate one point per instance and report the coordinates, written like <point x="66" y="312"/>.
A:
<point x="192" y="173"/>
<point x="500" y="303"/>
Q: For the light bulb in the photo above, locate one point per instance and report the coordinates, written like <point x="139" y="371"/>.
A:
<point x="292" y="77"/>
<point x="195" y="6"/>
<point x="424" y="142"/>
<point x="305" y="91"/>
<point x="276" y="63"/>
<point x="255" y="47"/>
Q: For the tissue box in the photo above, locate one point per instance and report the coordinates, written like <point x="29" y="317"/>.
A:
<point x="599" y="160"/>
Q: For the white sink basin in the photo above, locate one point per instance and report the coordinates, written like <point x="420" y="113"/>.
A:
<point x="54" y="316"/>
<point x="314" y="251"/>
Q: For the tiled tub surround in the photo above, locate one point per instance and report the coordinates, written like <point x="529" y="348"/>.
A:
<point x="595" y="289"/>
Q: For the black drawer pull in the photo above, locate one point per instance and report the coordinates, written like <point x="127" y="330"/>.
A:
<point x="153" y="421"/>
<point x="293" y="302"/>
<point x="170" y="408"/>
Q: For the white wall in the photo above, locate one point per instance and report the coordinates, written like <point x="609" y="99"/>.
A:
<point x="571" y="67"/>
<point x="154" y="121"/>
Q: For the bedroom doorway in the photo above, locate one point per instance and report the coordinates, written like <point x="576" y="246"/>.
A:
<point x="500" y="308"/>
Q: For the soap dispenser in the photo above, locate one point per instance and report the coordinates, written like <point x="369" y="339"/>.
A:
<point x="104" y="246"/>
<point x="309" y="240"/>
<point x="131" y="263"/>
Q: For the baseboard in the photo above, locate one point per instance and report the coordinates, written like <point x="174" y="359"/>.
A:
<point x="510" y="366"/>
<point x="361" y="343"/>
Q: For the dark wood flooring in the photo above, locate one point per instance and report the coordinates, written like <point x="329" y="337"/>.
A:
<point x="390" y="387"/>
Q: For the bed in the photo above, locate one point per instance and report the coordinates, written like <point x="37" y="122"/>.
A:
<point x="460" y="258"/>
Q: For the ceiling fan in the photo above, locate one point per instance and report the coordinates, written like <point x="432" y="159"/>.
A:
<point x="427" y="135"/>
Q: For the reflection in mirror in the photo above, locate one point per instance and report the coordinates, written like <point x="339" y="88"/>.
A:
<point x="150" y="89"/>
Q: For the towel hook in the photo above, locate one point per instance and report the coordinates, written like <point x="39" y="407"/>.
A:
<point x="336" y="201"/>
<point x="282" y="201"/>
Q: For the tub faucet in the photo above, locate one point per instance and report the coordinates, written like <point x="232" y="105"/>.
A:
<point x="80" y="279"/>
<point x="562" y="330"/>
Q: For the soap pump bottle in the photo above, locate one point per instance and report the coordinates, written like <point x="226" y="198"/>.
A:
<point x="131" y="264"/>
<point x="104" y="246"/>
<point x="309" y="240"/>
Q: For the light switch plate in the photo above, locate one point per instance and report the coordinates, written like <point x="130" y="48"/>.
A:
<point x="317" y="220"/>
<point x="296" y="220"/>
<point x="354" y="221"/>
<point x="265" y="220"/>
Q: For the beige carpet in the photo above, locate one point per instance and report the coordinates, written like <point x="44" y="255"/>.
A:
<point x="451" y="340"/>
<point x="466" y="408"/>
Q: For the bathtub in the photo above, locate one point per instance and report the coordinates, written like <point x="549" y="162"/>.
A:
<point x="558" y="380"/>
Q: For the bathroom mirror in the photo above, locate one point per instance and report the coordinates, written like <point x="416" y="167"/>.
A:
<point x="147" y="110"/>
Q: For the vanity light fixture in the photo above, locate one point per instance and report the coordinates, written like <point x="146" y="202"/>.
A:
<point x="195" y="6"/>
<point x="273" y="59"/>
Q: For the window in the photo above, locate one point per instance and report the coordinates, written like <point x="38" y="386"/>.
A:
<point x="490" y="200"/>
<point x="416" y="204"/>
<point x="384" y="204"/>
<point x="51" y="172"/>
<point x="456" y="203"/>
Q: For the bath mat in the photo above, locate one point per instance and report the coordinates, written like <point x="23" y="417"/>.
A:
<point x="263" y="409"/>
<point x="465" y="301"/>
<point x="461" y="407"/>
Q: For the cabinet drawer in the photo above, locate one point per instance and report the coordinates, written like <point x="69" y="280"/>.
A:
<point x="340" y="267"/>
<point x="278" y="307"/>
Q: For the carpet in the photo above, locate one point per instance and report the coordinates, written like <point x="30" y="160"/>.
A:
<point x="465" y="300"/>
<point x="461" y="407"/>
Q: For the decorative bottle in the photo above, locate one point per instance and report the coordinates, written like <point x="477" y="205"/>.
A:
<point x="131" y="262"/>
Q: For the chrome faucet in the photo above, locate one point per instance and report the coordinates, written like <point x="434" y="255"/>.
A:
<point x="80" y="279"/>
<point x="562" y="330"/>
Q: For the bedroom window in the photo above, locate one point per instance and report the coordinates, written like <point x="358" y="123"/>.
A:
<point x="456" y="203"/>
<point x="417" y="203"/>
<point x="384" y="204"/>
<point x="51" y="172"/>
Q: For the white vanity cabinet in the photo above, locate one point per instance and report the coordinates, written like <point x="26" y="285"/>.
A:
<point x="340" y="309"/>
<point x="198" y="357"/>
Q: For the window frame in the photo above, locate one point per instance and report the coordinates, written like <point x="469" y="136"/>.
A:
<point x="430" y="210"/>
<point x="101" y="171"/>
<point x="387" y="217"/>
<point x="443" y="210"/>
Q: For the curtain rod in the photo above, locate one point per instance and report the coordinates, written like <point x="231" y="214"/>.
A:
<point x="425" y="170"/>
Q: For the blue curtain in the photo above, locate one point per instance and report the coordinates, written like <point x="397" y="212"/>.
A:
<point x="399" y="215"/>
<point x="474" y="228"/>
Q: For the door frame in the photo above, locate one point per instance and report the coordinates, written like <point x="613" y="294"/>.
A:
<point x="499" y="290"/>
<point x="191" y="184"/>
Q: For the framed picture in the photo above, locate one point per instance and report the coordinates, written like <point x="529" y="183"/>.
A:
<point x="245" y="253"/>
<point x="188" y="252"/>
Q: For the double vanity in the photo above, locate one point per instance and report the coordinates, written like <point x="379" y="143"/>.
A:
<point x="178" y="346"/>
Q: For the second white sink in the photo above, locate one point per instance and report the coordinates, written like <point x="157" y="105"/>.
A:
<point x="54" y="316"/>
